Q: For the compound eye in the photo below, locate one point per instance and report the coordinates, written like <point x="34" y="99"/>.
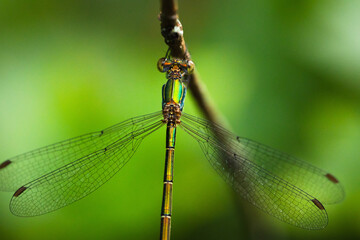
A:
<point x="190" y="66"/>
<point x="187" y="66"/>
<point x="164" y="64"/>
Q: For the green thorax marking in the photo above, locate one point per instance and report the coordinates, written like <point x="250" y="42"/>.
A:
<point x="173" y="91"/>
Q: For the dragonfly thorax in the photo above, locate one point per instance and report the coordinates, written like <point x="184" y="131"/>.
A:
<point x="174" y="90"/>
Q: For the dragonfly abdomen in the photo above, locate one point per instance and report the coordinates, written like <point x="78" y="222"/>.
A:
<point x="166" y="208"/>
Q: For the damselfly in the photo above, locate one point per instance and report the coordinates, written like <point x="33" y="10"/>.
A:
<point x="55" y="176"/>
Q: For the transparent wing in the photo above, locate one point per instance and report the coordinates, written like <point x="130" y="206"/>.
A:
<point x="77" y="179"/>
<point x="309" y="178"/>
<point x="26" y="167"/>
<point x="274" y="182"/>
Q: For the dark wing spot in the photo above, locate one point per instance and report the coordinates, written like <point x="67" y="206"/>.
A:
<point x="238" y="138"/>
<point x="19" y="191"/>
<point x="331" y="178"/>
<point x="318" y="204"/>
<point x="101" y="133"/>
<point x="5" y="164"/>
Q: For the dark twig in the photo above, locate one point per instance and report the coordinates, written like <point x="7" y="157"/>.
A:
<point x="172" y="31"/>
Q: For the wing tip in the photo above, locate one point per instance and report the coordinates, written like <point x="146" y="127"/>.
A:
<point x="19" y="191"/>
<point x="332" y="178"/>
<point x="5" y="164"/>
<point x="318" y="204"/>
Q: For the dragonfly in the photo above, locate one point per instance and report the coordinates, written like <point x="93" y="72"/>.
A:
<point x="52" y="177"/>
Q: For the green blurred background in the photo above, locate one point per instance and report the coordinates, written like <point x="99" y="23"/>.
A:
<point x="284" y="73"/>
